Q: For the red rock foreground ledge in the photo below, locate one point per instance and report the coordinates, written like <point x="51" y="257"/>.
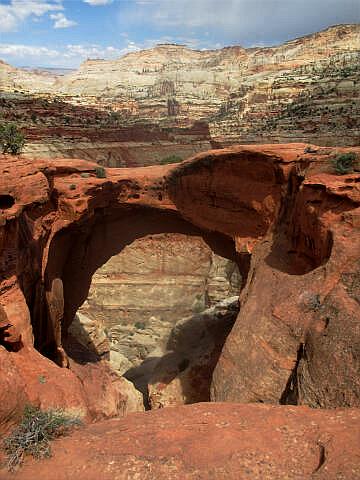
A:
<point x="210" y="441"/>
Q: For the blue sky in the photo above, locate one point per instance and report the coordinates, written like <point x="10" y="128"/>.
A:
<point x="63" y="33"/>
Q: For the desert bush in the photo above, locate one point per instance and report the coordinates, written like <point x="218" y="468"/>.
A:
<point x="100" y="172"/>
<point x="344" y="163"/>
<point x="11" y="139"/>
<point x="140" y="325"/>
<point x="170" y="159"/>
<point x="33" y="434"/>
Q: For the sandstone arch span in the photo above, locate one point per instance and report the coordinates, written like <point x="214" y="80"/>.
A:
<point x="276" y="202"/>
<point x="88" y="249"/>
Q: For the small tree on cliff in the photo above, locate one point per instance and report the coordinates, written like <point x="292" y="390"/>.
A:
<point x="11" y="139"/>
<point x="345" y="163"/>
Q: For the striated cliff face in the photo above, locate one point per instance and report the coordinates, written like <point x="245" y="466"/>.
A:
<point x="54" y="128"/>
<point x="16" y="79"/>
<point x="136" y="298"/>
<point x="304" y="90"/>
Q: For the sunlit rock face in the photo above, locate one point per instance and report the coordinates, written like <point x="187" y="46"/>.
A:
<point x="138" y="295"/>
<point x="305" y="90"/>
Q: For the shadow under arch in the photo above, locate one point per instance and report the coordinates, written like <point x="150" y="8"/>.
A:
<point x="77" y="251"/>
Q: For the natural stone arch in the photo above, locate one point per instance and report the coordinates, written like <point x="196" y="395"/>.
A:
<point x="288" y="193"/>
<point x="87" y="247"/>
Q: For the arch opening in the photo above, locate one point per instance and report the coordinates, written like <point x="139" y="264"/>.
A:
<point x="78" y="252"/>
<point x="152" y="306"/>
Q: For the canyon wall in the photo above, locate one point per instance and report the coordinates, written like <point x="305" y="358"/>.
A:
<point x="306" y="89"/>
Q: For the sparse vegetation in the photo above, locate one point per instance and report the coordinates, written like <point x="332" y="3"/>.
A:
<point x="140" y="325"/>
<point x="170" y="159"/>
<point x="100" y="172"/>
<point x="72" y="186"/>
<point x="197" y="308"/>
<point x="314" y="302"/>
<point x="344" y="163"/>
<point x="11" y="139"/>
<point x="33" y="435"/>
<point x="114" y="118"/>
<point x="198" y="305"/>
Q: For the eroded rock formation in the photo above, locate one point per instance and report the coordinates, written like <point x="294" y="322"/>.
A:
<point x="279" y="211"/>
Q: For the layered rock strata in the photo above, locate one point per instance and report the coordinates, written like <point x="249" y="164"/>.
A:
<point x="306" y="89"/>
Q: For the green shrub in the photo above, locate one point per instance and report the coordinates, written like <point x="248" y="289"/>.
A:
<point x="11" y="139"/>
<point x="72" y="186"/>
<point x="140" y="325"/>
<point x="344" y="163"/>
<point x="85" y="175"/>
<point x="100" y="172"/>
<point x="33" y="435"/>
<point x="170" y="159"/>
<point x="314" y="303"/>
<point x="197" y="308"/>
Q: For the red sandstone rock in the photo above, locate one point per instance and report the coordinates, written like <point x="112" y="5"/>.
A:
<point x="210" y="441"/>
<point x="90" y="391"/>
<point x="107" y="394"/>
<point x="13" y="397"/>
<point x="296" y="338"/>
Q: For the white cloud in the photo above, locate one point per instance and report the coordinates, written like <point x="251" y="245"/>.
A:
<point x="96" y="3"/>
<point x="25" y="51"/>
<point x="61" y="21"/>
<point x="69" y="56"/>
<point x="8" y="21"/>
<point x="83" y="52"/>
<point x="239" y="21"/>
<point x="17" y="11"/>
